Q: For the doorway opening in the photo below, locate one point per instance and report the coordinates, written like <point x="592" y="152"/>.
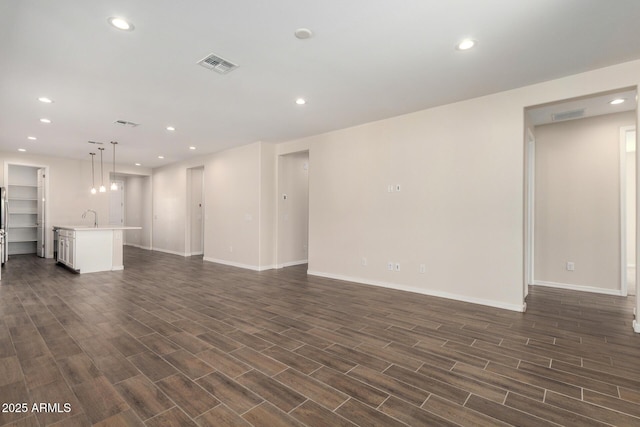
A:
<point x="579" y="217"/>
<point x="26" y="218"/>
<point x="194" y="233"/>
<point x="293" y="210"/>
<point x="130" y="205"/>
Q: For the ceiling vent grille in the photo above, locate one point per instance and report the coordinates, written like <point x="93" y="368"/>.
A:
<point x="219" y="65"/>
<point x="568" y="115"/>
<point x="126" y="123"/>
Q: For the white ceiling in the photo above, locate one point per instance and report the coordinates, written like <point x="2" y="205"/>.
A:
<point x="368" y="60"/>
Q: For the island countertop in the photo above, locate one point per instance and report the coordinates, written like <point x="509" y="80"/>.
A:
<point x="92" y="228"/>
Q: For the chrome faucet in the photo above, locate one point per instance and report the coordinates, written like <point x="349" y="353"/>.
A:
<point x="95" y="216"/>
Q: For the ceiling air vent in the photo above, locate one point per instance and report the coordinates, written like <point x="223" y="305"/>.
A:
<point x="217" y="64"/>
<point x="568" y="115"/>
<point x="126" y="123"/>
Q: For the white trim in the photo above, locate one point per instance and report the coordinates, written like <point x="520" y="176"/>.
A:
<point x="238" y="264"/>
<point x="147" y="248"/>
<point x="636" y="327"/>
<point x="292" y="263"/>
<point x="530" y="225"/>
<point x="440" y="294"/>
<point x="623" y="207"/>
<point x="593" y="289"/>
<point x="167" y="251"/>
<point x="194" y="253"/>
<point x="117" y="268"/>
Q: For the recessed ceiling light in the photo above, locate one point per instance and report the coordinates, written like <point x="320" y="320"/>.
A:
<point x="138" y="164"/>
<point x="120" y="23"/>
<point x="301" y="101"/>
<point x="303" y="33"/>
<point x="466" y="44"/>
<point x="45" y="100"/>
<point x="161" y="157"/>
<point x="22" y="150"/>
<point x="33" y="138"/>
<point x="192" y="148"/>
<point x="171" y="128"/>
<point x="617" y="101"/>
<point x="45" y="120"/>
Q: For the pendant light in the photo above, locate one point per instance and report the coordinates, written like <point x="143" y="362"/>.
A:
<point x="93" y="175"/>
<point x="114" y="184"/>
<point x="102" y="187"/>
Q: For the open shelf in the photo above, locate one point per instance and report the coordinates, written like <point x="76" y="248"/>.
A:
<point x="21" y="248"/>
<point x="23" y="185"/>
<point x="23" y="212"/>
<point x="24" y="202"/>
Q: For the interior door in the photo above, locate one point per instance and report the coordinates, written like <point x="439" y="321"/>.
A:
<point x="40" y="217"/>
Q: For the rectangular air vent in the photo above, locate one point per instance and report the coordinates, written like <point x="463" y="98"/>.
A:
<point x="217" y="64"/>
<point x="126" y="123"/>
<point x="568" y="115"/>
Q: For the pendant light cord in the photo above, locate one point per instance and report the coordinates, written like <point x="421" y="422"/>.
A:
<point x="93" y="174"/>
<point x="101" y="169"/>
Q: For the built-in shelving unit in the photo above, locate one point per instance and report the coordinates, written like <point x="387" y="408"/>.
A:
<point x="22" y="194"/>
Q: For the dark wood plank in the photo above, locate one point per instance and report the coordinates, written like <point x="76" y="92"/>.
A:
<point x="188" y="395"/>
<point x="271" y="390"/>
<point x="319" y="350"/>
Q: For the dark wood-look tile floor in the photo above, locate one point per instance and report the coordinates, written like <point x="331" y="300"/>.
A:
<point x="174" y="341"/>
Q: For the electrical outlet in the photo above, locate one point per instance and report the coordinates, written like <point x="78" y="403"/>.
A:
<point x="364" y="261"/>
<point x="423" y="269"/>
<point x="390" y="188"/>
<point x="390" y="266"/>
<point x="571" y="266"/>
<point x="397" y="266"/>
<point x="230" y="248"/>
<point x="398" y="187"/>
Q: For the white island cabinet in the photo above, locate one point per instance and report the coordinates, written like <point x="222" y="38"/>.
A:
<point x="90" y="249"/>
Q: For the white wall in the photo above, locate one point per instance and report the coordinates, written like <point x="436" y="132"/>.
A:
<point x="577" y="205"/>
<point x="239" y="203"/>
<point x="460" y="211"/>
<point x="268" y="206"/>
<point x="69" y="184"/>
<point x="232" y="200"/>
<point x="170" y="201"/>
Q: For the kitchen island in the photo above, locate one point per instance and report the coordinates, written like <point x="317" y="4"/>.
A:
<point x="90" y="249"/>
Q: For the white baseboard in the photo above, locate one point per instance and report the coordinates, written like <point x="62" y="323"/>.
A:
<point x="167" y="251"/>
<point x="117" y="268"/>
<point x="636" y="326"/>
<point x="194" y="253"/>
<point x="292" y="263"/>
<point x="239" y="265"/>
<point x="594" y="289"/>
<point x="440" y="294"/>
<point x="147" y="248"/>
